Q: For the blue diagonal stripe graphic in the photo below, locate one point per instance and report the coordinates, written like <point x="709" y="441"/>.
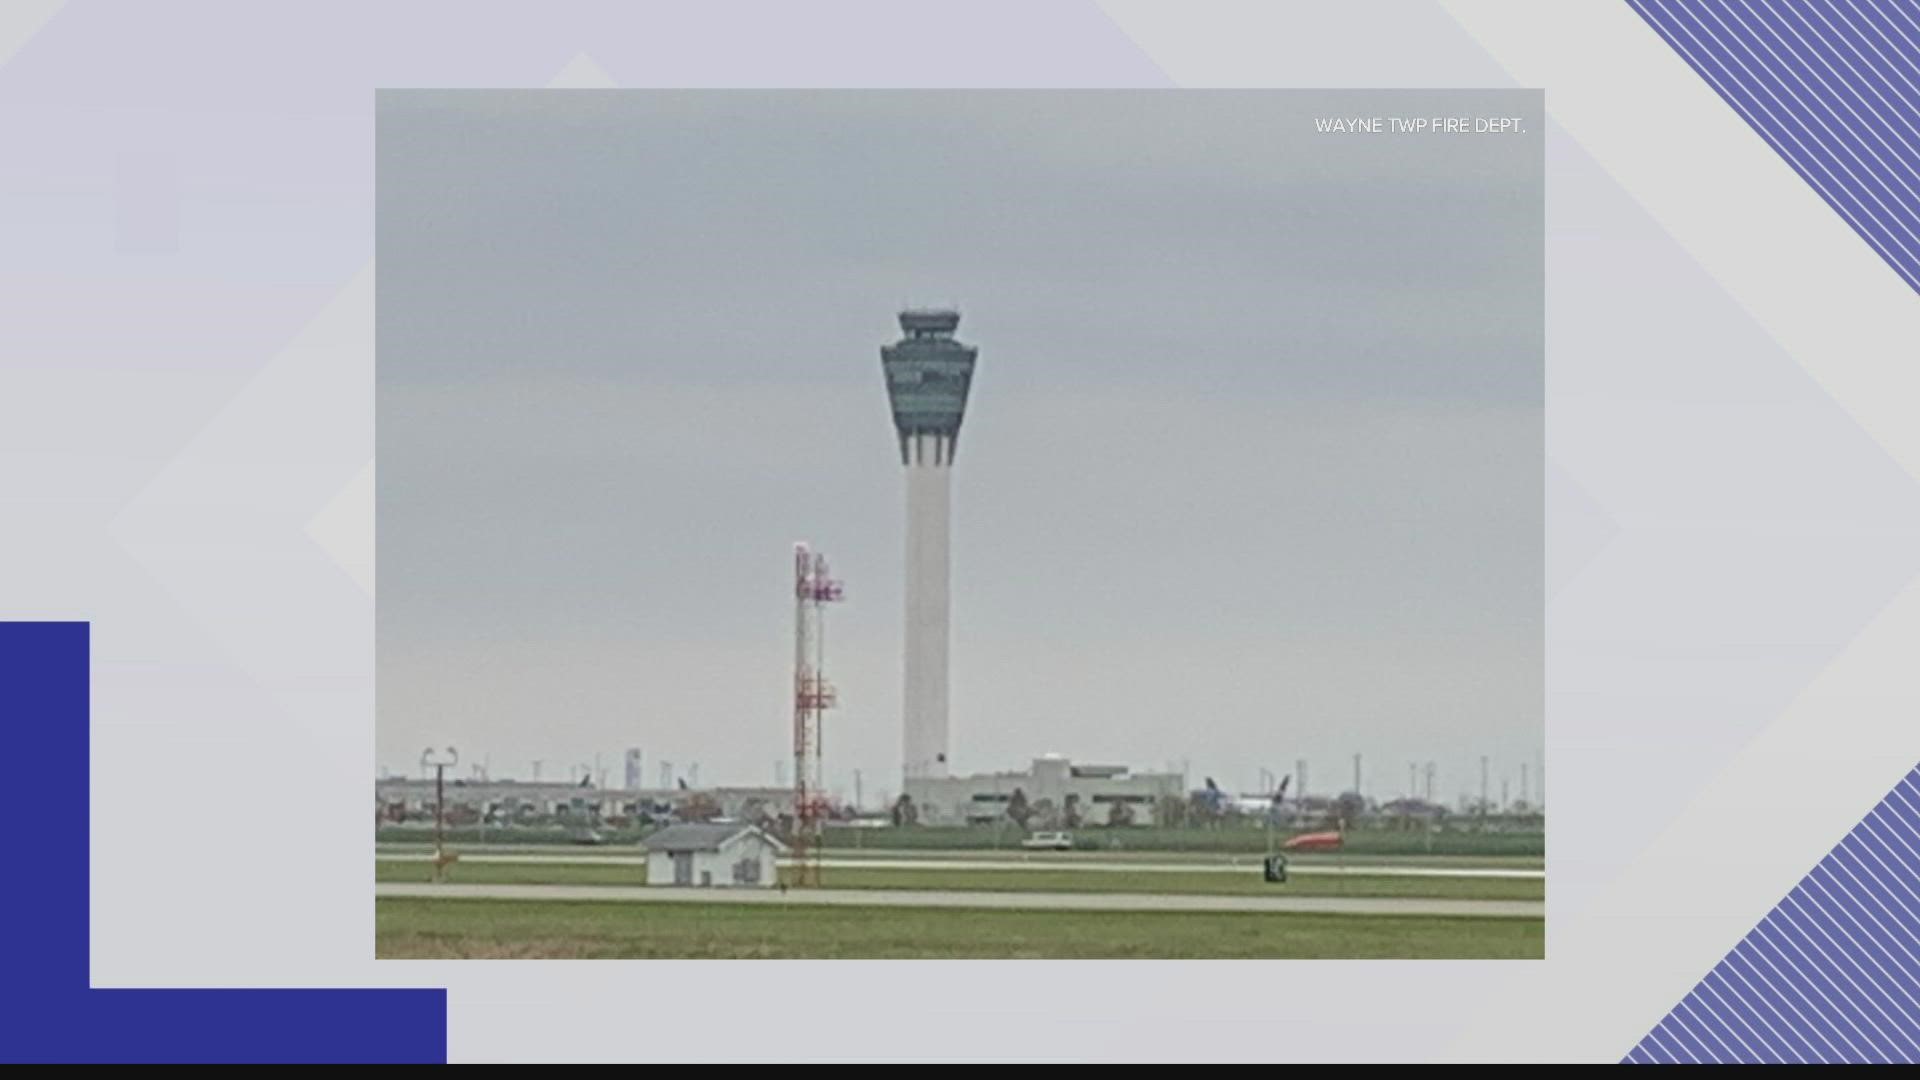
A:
<point x="1832" y="974"/>
<point x="1833" y="86"/>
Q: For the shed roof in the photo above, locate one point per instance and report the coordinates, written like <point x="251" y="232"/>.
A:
<point x="702" y="836"/>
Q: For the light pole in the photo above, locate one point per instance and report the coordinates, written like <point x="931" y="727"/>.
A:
<point x="440" y="761"/>
<point x="1483" y="793"/>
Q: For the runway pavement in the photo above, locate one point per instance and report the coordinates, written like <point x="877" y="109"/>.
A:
<point x="1338" y="905"/>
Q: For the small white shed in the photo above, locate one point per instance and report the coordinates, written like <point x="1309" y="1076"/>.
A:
<point x="716" y="856"/>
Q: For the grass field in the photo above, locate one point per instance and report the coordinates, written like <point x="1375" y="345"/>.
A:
<point x="1062" y="858"/>
<point x="1047" y="879"/>
<point x="490" y="929"/>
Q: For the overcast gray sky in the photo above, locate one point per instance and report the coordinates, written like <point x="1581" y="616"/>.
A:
<point x="1252" y="469"/>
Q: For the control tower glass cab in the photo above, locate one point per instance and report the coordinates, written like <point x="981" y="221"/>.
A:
<point x="928" y="373"/>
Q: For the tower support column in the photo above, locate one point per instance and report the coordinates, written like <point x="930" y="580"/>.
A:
<point x="929" y="503"/>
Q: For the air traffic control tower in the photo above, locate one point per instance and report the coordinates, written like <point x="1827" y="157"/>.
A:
<point x="928" y="373"/>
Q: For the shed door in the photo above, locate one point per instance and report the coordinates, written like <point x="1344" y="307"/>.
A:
<point x="683" y="868"/>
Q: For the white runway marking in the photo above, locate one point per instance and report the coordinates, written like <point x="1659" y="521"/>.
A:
<point x="1297" y="905"/>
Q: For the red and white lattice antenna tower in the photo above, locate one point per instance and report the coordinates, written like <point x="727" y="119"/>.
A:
<point x="813" y="589"/>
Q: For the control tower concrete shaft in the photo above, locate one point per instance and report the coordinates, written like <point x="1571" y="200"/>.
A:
<point x="928" y="373"/>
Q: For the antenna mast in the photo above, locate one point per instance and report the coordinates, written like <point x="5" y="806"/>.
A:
<point x="813" y="589"/>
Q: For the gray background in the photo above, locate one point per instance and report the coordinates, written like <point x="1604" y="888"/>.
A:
<point x="1252" y="470"/>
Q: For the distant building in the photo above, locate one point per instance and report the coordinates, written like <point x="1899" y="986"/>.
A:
<point x="1410" y="807"/>
<point x="508" y="801"/>
<point x="713" y="856"/>
<point x="1058" y="794"/>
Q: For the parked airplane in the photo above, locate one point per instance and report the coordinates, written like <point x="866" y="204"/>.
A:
<point x="1250" y="805"/>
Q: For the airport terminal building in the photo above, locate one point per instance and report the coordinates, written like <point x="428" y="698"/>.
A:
<point x="508" y="799"/>
<point x="1060" y="795"/>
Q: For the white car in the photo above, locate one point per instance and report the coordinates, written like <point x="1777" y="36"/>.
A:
<point x="1049" y="841"/>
